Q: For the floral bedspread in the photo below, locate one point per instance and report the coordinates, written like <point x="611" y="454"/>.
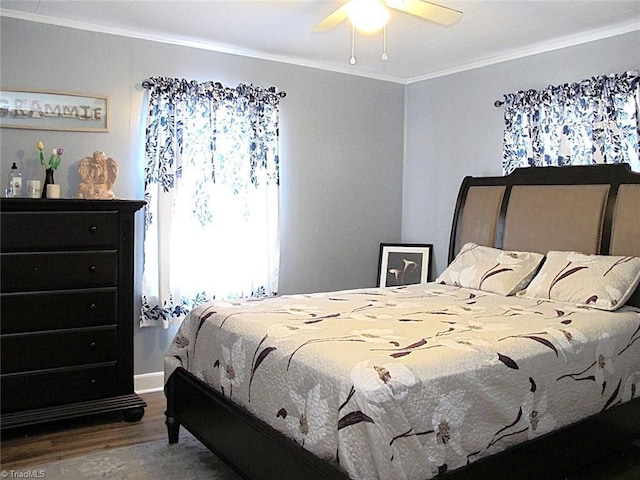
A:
<point x="411" y="381"/>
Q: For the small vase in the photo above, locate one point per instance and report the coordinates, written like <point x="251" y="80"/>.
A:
<point x="48" y="180"/>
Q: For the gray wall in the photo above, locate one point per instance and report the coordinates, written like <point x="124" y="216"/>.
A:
<point x="453" y="129"/>
<point x="341" y="151"/>
<point x="352" y="176"/>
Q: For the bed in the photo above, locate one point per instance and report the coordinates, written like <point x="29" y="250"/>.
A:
<point x="517" y="353"/>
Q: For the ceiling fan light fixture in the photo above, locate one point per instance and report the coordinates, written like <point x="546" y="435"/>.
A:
<point x="368" y="16"/>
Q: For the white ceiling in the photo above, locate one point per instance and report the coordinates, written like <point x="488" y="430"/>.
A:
<point x="490" y="31"/>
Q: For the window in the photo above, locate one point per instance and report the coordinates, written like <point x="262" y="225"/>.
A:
<point x="212" y="192"/>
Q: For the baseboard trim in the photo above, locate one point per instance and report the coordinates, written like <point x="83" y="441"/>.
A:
<point x="148" y="382"/>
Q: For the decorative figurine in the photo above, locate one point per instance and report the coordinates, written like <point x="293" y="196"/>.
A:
<point x="97" y="176"/>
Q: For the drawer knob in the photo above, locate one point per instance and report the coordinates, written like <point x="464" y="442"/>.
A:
<point x="92" y="269"/>
<point x="93" y="229"/>
<point x="93" y="307"/>
<point x="92" y="345"/>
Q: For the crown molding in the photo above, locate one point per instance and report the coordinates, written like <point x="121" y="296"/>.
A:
<point x="564" y="42"/>
<point x="543" y="47"/>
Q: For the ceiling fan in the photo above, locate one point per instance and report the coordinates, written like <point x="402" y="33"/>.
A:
<point x="375" y="13"/>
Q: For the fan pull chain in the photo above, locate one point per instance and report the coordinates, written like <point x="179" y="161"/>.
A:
<point x="352" y="60"/>
<point x="384" y="57"/>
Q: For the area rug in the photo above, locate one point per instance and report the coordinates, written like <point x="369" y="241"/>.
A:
<point x="187" y="459"/>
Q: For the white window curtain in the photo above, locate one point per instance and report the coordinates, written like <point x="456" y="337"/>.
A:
<point x="593" y="121"/>
<point x="212" y="193"/>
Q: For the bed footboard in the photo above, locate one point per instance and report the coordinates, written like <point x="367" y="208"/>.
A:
<point x="249" y="446"/>
<point x="257" y="451"/>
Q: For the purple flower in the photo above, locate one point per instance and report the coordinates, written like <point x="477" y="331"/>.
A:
<point x="54" y="159"/>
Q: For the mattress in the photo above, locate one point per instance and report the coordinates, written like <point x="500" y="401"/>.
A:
<point x="411" y="381"/>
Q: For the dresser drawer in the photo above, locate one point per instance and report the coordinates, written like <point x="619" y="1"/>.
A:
<point x="47" y="389"/>
<point x="32" y="312"/>
<point x="22" y="231"/>
<point x="39" y="351"/>
<point x="24" y="272"/>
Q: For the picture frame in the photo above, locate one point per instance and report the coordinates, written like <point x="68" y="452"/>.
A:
<point x="404" y="264"/>
<point x="45" y="110"/>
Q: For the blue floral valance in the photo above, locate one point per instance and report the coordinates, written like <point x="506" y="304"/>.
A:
<point x="588" y="122"/>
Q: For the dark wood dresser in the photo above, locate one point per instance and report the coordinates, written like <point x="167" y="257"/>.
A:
<point x="66" y="304"/>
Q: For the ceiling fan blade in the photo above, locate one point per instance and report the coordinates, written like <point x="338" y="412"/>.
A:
<point x="333" y="20"/>
<point x="430" y="11"/>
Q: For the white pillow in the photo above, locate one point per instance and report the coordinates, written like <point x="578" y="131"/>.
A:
<point x="599" y="281"/>
<point x="491" y="269"/>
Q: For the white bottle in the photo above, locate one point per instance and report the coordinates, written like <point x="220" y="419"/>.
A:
<point x="15" y="182"/>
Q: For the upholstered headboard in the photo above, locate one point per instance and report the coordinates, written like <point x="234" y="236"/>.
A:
<point x="589" y="209"/>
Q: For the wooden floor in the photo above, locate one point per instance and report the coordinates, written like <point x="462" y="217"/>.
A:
<point x="23" y="449"/>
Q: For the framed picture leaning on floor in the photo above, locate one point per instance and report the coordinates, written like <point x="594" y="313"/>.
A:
<point x="404" y="264"/>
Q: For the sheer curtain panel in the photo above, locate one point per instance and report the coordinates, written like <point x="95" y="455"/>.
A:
<point x="212" y="193"/>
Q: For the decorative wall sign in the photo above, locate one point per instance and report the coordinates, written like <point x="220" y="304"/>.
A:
<point x="41" y="110"/>
<point x="404" y="264"/>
